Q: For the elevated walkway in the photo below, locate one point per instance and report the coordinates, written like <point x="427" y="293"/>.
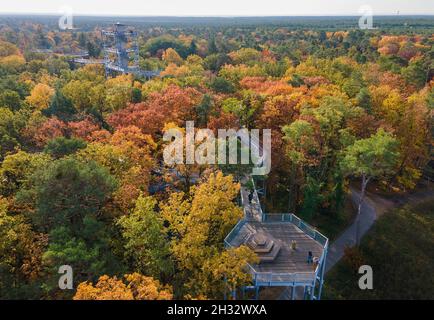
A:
<point x="282" y="243"/>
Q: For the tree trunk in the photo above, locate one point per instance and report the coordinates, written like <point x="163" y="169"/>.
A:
<point x="291" y="207"/>
<point x="365" y="181"/>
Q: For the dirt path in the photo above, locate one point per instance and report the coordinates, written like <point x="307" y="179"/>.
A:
<point x="372" y="208"/>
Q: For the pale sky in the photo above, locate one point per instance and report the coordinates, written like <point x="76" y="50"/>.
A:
<point x="218" y="7"/>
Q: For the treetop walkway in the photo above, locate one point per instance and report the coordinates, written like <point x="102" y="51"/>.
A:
<point x="291" y="253"/>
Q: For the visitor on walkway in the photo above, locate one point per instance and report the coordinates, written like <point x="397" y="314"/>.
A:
<point x="309" y="257"/>
<point x="250" y="197"/>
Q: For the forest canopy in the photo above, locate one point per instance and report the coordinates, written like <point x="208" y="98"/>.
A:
<point x="82" y="180"/>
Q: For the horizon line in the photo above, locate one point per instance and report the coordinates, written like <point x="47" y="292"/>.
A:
<point x="212" y="16"/>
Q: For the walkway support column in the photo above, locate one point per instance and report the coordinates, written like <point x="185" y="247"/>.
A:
<point x="321" y="280"/>
<point x="293" y="293"/>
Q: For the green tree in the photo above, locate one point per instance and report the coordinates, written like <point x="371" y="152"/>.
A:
<point x="416" y="74"/>
<point x="145" y="243"/>
<point x="221" y="85"/>
<point x="10" y="126"/>
<point x="203" y="109"/>
<point x="68" y="198"/>
<point x="193" y="47"/>
<point x="364" y="99"/>
<point x="66" y="191"/>
<point x="16" y="170"/>
<point x="10" y="99"/>
<point x="244" y="109"/>
<point x="79" y="92"/>
<point x="371" y="158"/>
<point x="165" y="42"/>
<point x="88" y="251"/>
<point x="311" y="199"/>
<point x="93" y="49"/>
<point x="60" y="106"/>
<point x="212" y="47"/>
<point x="82" y="39"/>
<point x="136" y="95"/>
<point x="61" y="146"/>
<point x="215" y="61"/>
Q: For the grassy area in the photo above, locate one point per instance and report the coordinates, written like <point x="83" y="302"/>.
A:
<point x="400" y="250"/>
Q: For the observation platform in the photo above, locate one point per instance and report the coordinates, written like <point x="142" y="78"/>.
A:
<point x="281" y="263"/>
<point x="282" y="243"/>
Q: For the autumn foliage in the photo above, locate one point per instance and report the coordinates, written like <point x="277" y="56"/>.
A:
<point x="83" y="180"/>
<point x="133" y="287"/>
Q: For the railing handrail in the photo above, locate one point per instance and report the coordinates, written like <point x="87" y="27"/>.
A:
<point x="236" y="228"/>
<point x="257" y="197"/>
<point x="270" y="275"/>
<point x="284" y="277"/>
<point x="300" y="224"/>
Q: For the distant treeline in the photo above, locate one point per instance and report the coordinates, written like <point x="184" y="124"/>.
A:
<point x="294" y="22"/>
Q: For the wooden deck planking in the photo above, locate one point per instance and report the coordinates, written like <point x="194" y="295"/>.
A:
<point x="288" y="260"/>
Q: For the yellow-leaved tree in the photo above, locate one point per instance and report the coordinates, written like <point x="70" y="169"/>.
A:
<point x="40" y="96"/>
<point x="171" y="56"/>
<point x="197" y="224"/>
<point x="133" y="287"/>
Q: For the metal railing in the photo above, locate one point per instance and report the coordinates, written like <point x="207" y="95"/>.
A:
<point x="271" y="277"/>
<point x="231" y="235"/>
<point x="305" y="227"/>
<point x="254" y="200"/>
<point x="256" y="197"/>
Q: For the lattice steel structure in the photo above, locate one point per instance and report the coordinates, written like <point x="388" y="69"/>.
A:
<point x="121" y="53"/>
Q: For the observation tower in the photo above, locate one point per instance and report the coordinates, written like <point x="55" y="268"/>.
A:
<point x="121" y="52"/>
